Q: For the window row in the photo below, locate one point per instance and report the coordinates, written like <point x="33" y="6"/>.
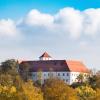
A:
<point x="51" y="74"/>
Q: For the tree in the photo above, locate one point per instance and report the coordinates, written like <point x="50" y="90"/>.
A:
<point x="8" y="93"/>
<point x="55" y="89"/>
<point x="80" y="78"/>
<point x="78" y="84"/>
<point x="97" y="97"/>
<point x="6" y="80"/>
<point x="10" y="66"/>
<point x="85" y="93"/>
<point x="94" y="80"/>
<point x="31" y="92"/>
<point x="24" y="71"/>
<point x="39" y="81"/>
<point x="12" y="87"/>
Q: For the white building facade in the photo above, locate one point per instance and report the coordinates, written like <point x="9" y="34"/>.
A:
<point x="46" y="68"/>
<point x="67" y="77"/>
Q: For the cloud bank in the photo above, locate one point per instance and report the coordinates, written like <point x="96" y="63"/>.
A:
<point x="69" y="32"/>
<point x="68" y="21"/>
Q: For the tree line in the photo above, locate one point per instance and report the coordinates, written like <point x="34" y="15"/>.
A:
<point x="14" y="87"/>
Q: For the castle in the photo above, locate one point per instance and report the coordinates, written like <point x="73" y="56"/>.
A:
<point x="68" y="71"/>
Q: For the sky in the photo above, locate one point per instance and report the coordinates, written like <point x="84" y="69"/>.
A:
<point x="66" y="29"/>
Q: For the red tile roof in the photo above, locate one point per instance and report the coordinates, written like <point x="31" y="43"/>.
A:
<point x="76" y="66"/>
<point x="45" y="54"/>
<point x="57" y="66"/>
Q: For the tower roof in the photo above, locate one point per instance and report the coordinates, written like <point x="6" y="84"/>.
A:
<point x="45" y="54"/>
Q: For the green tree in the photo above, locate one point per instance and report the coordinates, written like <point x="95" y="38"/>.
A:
<point x="24" y="68"/>
<point x="94" y="80"/>
<point x="10" y="66"/>
<point x="78" y="84"/>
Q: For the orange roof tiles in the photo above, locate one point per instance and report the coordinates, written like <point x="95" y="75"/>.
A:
<point x="77" y="66"/>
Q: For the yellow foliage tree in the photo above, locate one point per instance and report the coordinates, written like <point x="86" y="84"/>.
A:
<point x="55" y="89"/>
<point x="31" y="92"/>
<point x="8" y="93"/>
<point x="85" y="93"/>
<point x="97" y="96"/>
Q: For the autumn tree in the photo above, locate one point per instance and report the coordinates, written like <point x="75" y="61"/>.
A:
<point x="12" y="87"/>
<point x="97" y="96"/>
<point x="85" y="93"/>
<point x="8" y="93"/>
<point x="6" y="80"/>
<point x="55" y="89"/>
<point x="31" y="92"/>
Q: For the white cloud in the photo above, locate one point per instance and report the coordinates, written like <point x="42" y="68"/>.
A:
<point x="70" y="21"/>
<point x="35" y="18"/>
<point x="91" y="21"/>
<point x="7" y="28"/>
<point x="67" y="21"/>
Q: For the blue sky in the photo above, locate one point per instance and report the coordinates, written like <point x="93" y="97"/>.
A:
<point x="67" y="29"/>
<point x="17" y="8"/>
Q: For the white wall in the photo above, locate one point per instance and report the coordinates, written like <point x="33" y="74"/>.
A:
<point x="74" y="75"/>
<point x="45" y="58"/>
<point x="67" y="77"/>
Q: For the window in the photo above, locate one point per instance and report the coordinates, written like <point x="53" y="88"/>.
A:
<point x="63" y="74"/>
<point x="67" y="74"/>
<point x="58" y="74"/>
<point x="33" y="75"/>
<point x="66" y="80"/>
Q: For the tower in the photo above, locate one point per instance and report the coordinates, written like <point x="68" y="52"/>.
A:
<point x="45" y="56"/>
